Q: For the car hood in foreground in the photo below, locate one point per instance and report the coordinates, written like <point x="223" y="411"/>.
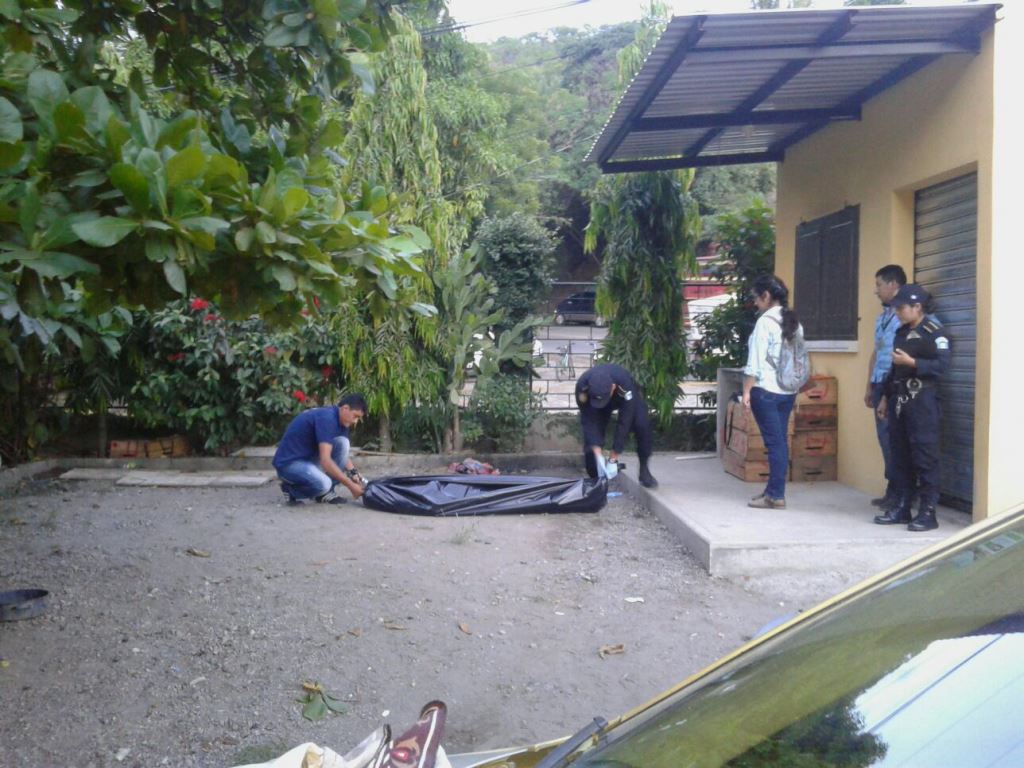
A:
<point x="921" y="665"/>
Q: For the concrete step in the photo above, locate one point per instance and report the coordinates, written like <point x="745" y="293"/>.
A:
<point x="825" y="533"/>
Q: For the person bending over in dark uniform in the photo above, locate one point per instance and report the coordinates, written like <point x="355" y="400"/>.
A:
<point x="599" y="391"/>
<point x="911" y="405"/>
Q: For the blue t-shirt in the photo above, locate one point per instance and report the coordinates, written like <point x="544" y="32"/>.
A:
<point x="301" y="441"/>
<point x="885" y="333"/>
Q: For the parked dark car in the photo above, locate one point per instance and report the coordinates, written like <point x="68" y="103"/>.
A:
<point x="922" y="665"/>
<point x="578" y="308"/>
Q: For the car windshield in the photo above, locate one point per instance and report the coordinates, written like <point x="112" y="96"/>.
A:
<point x="924" y="669"/>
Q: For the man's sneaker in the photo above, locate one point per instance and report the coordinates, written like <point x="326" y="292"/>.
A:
<point x="330" y="498"/>
<point x="289" y="499"/>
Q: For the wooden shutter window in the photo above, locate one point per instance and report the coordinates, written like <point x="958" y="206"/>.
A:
<point x="825" y="285"/>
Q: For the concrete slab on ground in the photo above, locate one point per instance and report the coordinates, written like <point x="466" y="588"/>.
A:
<point x="826" y="527"/>
<point x="86" y="473"/>
<point x="165" y="479"/>
<point x="256" y="452"/>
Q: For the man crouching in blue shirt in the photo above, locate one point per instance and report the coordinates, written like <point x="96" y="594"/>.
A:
<point x="312" y="457"/>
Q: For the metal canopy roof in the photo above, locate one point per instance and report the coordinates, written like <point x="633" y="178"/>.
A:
<point x="724" y="89"/>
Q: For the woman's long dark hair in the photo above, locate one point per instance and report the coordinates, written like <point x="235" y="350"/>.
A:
<point x="778" y="291"/>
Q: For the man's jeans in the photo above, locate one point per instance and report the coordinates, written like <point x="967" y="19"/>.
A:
<point x="772" y="411"/>
<point x="882" y="430"/>
<point x="306" y="480"/>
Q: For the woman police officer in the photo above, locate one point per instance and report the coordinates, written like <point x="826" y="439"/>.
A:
<point x="911" y="405"/>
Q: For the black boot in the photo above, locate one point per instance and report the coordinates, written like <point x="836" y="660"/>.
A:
<point x="925" y="520"/>
<point x="646" y="478"/>
<point x="887" y="500"/>
<point x="898" y="513"/>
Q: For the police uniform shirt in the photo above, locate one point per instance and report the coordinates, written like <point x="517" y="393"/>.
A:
<point x="626" y="399"/>
<point x="928" y="344"/>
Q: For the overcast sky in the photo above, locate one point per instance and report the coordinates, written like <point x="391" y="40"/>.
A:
<point x="594" y="13"/>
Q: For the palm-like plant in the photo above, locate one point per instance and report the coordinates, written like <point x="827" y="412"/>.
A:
<point x="649" y="225"/>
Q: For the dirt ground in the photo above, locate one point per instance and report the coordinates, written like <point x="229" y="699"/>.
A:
<point x="152" y="653"/>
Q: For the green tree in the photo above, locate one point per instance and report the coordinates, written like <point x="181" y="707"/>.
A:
<point x="719" y="189"/>
<point x="650" y="227"/>
<point x="747" y="249"/>
<point x="568" y="81"/>
<point x="227" y="193"/>
<point x="517" y="257"/>
<point x="465" y="340"/>
<point x="480" y="121"/>
<point x="392" y="139"/>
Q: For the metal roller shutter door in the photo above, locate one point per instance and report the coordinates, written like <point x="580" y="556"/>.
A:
<point x="945" y="263"/>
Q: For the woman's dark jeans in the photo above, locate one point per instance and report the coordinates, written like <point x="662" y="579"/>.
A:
<point x="772" y="414"/>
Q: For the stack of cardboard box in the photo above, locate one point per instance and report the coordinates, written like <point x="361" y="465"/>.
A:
<point x="812" y="453"/>
<point x="812" y="437"/>
<point x="743" y="451"/>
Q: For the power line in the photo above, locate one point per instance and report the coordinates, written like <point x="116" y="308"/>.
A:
<point x="510" y="171"/>
<point x="530" y="64"/>
<point x="519" y="14"/>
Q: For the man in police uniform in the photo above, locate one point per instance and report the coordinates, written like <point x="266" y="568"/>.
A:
<point x="911" y="405"/>
<point x="599" y="391"/>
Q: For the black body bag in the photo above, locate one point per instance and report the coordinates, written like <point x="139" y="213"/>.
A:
<point x="464" y="495"/>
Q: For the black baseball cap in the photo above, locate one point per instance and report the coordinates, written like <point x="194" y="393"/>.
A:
<point x="911" y="293"/>
<point x="600" y="388"/>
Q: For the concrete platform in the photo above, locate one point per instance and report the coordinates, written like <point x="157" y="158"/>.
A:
<point x="826" y="527"/>
<point x="173" y="478"/>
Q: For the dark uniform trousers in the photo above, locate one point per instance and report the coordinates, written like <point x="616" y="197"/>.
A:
<point x="912" y="398"/>
<point x="595" y="424"/>
<point x="914" y="444"/>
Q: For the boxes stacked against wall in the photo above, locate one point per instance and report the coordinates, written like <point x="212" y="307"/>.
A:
<point x="139" y="448"/>
<point x="815" y="440"/>
<point x="743" y="451"/>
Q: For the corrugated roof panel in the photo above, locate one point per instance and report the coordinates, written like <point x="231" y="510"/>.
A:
<point x="657" y="144"/>
<point x="747" y="139"/>
<point x="878" y="25"/>
<point x="830" y="82"/>
<point x="671" y="38"/>
<point x="701" y="89"/>
<point x="768" y="61"/>
<point x="651" y="144"/>
<point x="736" y="30"/>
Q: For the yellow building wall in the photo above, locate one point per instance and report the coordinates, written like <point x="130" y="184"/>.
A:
<point x="1005" y="443"/>
<point x="933" y="126"/>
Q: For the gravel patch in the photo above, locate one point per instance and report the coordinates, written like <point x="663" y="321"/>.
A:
<point x="182" y="622"/>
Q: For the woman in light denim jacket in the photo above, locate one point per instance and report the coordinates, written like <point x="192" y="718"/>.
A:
<point x="770" y="403"/>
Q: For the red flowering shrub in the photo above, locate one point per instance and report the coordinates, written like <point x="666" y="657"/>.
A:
<point x="228" y="383"/>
